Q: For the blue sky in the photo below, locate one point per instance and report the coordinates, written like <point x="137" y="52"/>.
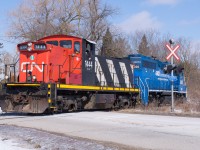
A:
<point x="5" y="7"/>
<point x="177" y="17"/>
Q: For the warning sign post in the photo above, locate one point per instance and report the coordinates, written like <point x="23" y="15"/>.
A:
<point x="172" y="54"/>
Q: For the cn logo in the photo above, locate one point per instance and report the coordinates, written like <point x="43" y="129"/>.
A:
<point x="32" y="66"/>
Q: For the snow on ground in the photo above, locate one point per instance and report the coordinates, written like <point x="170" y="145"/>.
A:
<point x="6" y="144"/>
<point x="1" y="112"/>
<point x="19" y="138"/>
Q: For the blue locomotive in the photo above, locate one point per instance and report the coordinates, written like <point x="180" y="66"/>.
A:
<point x="153" y="78"/>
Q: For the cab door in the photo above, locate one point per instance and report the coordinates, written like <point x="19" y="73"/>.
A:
<point x="75" y="69"/>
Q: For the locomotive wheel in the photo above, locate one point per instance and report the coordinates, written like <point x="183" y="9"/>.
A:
<point x="72" y="108"/>
<point x="116" y="105"/>
<point x="72" y="105"/>
<point x="126" y="105"/>
<point x="49" y="111"/>
<point x="91" y="103"/>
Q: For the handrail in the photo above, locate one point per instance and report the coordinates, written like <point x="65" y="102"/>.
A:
<point x="142" y="83"/>
<point x="147" y="85"/>
<point x="14" y="70"/>
<point x="140" y="86"/>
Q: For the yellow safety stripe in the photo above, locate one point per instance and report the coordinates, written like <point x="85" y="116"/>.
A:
<point x="79" y="87"/>
<point x="53" y="107"/>
<point x="16" y="84"/>
<point x="99" y="88"/>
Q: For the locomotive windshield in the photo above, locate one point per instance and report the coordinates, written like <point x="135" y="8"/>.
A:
<point x="23" y="47"/>
<point x="148" y="64"/>
<point x="52" y="42"/>
<point x="77" y="47"/>
<point x="66" y="43"/>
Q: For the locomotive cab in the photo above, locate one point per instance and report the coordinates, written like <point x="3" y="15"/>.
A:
<point x="56" y="59"/>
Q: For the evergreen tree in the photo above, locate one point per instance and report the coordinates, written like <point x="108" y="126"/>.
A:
<point x="143" y="47"/>
<point x="106" y="49"/>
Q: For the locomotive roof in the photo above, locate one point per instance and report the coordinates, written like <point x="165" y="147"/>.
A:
<point x="59" y="36"/>
<point x="64" y="36"/>
<point x="143" y="57"/>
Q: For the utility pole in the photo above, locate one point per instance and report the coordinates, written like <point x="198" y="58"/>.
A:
<point x="1" y="67"/>
<point x="172" y="54"/>
<point x="171" y="42"/>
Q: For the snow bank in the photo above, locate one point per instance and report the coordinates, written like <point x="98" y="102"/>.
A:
<point x="9" y="145"/>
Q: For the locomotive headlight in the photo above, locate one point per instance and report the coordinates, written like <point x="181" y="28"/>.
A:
<point x="29" y="44"/>
<point x="34" y="77"/>
<point x="29" y="48"/>
<point x="6" y="77"/>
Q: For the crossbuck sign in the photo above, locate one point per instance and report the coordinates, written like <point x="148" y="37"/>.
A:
<point x="172" y="52"/>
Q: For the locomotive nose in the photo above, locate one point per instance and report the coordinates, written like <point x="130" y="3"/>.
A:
<point x="33" y="65"/>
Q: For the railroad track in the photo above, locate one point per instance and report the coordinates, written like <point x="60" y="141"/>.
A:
<point x="10" y="116"/>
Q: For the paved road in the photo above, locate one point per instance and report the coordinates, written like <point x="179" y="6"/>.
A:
<point x="134" y="130"/>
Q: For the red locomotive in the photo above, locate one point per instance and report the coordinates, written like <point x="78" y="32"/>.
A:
<point x="52" y="59"/>
<point x="62" y="73"/>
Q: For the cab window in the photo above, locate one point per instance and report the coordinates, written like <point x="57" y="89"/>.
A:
<point x="77" y="47"/>
<point x="148" y="64"/>
<point x="52" y="43"/>
<point x="66" y="43"/>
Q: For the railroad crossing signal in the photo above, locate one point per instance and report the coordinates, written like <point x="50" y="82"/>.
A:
<point x="172" y="52"/>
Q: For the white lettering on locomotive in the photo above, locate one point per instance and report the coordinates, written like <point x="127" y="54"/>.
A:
<point x="32" y="65"/>
<point x="88" y="64"/>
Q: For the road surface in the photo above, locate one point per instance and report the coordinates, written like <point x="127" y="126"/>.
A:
<point x="133" y="130"/>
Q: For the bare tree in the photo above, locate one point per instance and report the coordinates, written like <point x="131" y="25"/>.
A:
<point x="95" y="19"/>
<point x="31" y="23"/>
<point x="35" y="19"/>
<point x="7" y="58"/>
<point x="115" y="44"/>
<point x="121" y="46"/>
<point x="152" y="38"/>
<point x="69" y="13"/>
